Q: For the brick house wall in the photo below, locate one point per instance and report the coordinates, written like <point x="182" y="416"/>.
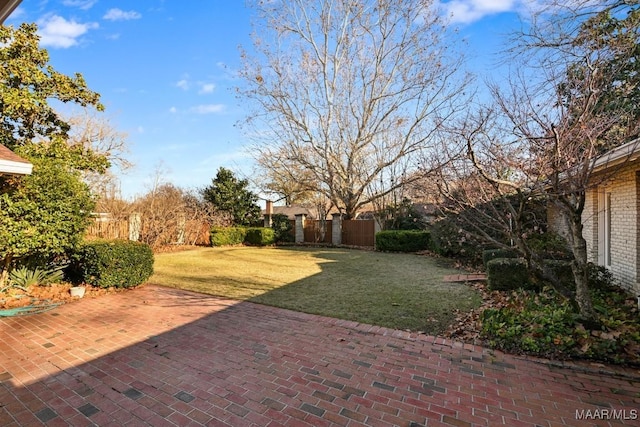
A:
<point x="620" y="191"/>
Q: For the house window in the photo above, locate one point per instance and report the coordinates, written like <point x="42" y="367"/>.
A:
<point x="604" y="228"/>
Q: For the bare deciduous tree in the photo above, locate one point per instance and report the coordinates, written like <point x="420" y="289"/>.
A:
<point x="345" y="90"/>
<point x="553" y="120"/>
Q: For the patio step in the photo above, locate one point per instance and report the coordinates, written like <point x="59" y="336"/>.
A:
<point x="464" y="278"/>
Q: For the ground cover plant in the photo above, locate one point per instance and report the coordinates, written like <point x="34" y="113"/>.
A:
<point x="545" y="324"/>
<point x="403" y="291"/>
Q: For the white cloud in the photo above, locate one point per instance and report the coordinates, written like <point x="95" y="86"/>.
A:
<point x="55" y="31"/>
<point x="183" y="84"/>
<point x="140" y="129"/>
<point x="173" y="110"/>
<point x="207" y="88"/>
<point x="120" y="15"/>
<point x="82" y="4"/>
<point x="208" y="109"/>
<point x="468" y="11"/>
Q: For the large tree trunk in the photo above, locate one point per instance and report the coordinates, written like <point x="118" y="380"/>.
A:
<point x="580" y="270"/>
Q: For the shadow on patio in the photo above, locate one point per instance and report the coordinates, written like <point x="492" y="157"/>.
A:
<point x="159" y="356"/>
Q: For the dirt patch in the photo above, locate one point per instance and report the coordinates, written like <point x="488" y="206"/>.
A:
<point x="46" y="295"/>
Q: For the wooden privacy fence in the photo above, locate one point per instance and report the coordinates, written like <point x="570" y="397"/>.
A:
<point x="359" y="232"/>
<point x="108" y="230"/>
<point x="336" y="231"/>
<point x="187" y="232"/>
<point x="316" y="231"/>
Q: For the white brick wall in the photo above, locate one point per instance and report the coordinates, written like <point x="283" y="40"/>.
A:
<point x="623" y="186"/>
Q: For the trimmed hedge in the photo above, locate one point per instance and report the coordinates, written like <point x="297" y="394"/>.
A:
<point x="489" y="254"/>
<point x="112" y="263"/>
<point x="505" y="274"/>
<point x="403" y="240"/>
<point x="228" y="236"/>
<point x="260" y="236"/>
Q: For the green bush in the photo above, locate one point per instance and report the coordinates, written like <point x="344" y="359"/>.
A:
<point x="260" y="236"/>
<point x="550" y="245"/>
<point x="449" y="239"/>
<point x="403" y="240"/>
<point x="505" y="274"/>
<point x="562" y="270"/>
<point x="112" y="263"/>
<point x="489" y="254"/>
<point x="228" y="236"/>
<point x="282" y="227"/>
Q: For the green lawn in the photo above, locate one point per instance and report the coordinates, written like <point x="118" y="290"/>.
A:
<point x="402" y="291"/>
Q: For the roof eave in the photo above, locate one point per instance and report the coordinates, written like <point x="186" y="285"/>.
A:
<point x="15" y="168"/>
<point x="6" y="7"/>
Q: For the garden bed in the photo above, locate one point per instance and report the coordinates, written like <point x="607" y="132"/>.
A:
<point x="39" y="298"/>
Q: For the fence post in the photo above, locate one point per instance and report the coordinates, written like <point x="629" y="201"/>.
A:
<point x="135" y="224"/>
<point x="377" y="227"/>
<point x="300" y="218"/>
<point x="336" y="229"/>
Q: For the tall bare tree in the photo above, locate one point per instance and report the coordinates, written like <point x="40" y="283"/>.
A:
<point x="346" y="89"/>
<point x="546" y="129"/>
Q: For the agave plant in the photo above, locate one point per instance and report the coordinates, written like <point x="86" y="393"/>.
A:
<point x="24" y="277"/>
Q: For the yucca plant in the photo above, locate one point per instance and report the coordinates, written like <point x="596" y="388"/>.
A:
<point x="25" y="277"/>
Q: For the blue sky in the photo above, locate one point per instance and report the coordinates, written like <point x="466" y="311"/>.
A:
<point x="165" y="70"/>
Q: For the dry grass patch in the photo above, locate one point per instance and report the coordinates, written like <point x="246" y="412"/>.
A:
<point x="401" y="291"/>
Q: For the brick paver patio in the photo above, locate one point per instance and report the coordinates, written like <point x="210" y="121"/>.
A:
<point x="161" y="357"/>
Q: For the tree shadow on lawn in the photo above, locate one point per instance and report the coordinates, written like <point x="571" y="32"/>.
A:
<point x="400" y="291"/>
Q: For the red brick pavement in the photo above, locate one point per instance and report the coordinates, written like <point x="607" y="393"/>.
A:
<point x="161" y="357"/>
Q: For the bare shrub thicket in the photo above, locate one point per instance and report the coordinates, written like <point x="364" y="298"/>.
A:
<point x="171" y="215"/>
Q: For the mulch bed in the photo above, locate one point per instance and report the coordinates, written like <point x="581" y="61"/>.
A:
<point x="42" y="297"/>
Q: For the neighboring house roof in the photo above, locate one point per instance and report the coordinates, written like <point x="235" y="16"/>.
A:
<point x="11" y="163"/>
<point x="625" y="153"/>
<point x="6" y="7"/>
<point x="291" y="211"/>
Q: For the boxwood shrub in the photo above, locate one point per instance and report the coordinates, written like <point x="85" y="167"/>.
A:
<point x="112" y="263"/>
<point x="228" y="236"/>
<point x="260" y="236"/>
<point x="505" y="274"/>
<point x="489" y="254"/>
<point x="403" y="240"/>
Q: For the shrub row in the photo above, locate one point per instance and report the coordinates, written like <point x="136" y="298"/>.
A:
<point x="403" y="240"/>
<point x="505" y="274"/>
<point x="111" y="263"/>
<point x="229" y="236"/>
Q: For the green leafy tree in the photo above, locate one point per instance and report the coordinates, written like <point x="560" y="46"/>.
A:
<point x="42" y="215"/>
<point x="28" y="85"/>
<point x="230" y="194"/>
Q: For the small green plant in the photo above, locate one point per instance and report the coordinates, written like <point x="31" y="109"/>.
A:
<point x="25" y="277"/>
